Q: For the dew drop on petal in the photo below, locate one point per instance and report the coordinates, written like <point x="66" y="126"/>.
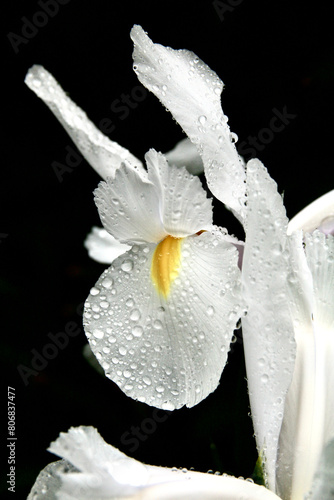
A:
<point x="135" y="315"/>
<point x="147" y="380"/>
<point x="127" y="265"/>
<point x="107" y="283"/>
<point x="98" y="334"/>
<point x="210" y="311"/>
<point x="137" y="331"/>
<point x="264" y="378"/>
<point x="202" y="120"/>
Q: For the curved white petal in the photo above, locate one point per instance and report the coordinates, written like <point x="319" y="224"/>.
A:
<point x="191" y="91"/>
<point x="319" y="214"/>
<point x="185" y="154"/>
<point x="168" y="201"/>
<point x="267" y="328"/>
<point x="101" y="471"/>
<point x="309" y="408"/>
<point x="128" y="206"/>
<point x="206" y="487"/>
<point x="167" y="350"/>
<point x="104" y="155"/>
<point x="103" y="247"/>
<point x="323" y="481"/>
<point x="184" y="207"/>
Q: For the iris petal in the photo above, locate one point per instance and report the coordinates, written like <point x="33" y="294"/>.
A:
<point x="101" y="471"/>
<point x="308" y="422"/>
<point x="268" y="330"/>
<point x="104" y="155"/>
<point x="190" y="90"/>
<point x="103" y="247"/>
<point x="185" y="154"/>
<point x="138" y="208"/>
<point x="167" y="351"/>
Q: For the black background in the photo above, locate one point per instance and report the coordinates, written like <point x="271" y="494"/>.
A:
<point x="269" y="55"/>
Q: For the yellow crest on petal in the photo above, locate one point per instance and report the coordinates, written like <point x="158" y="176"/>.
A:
<point x="166" y="264"/>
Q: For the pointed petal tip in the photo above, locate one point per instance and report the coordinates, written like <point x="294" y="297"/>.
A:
<point x="137" y="32"/>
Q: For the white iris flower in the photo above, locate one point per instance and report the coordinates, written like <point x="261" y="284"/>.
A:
<point x="160" y="319"/>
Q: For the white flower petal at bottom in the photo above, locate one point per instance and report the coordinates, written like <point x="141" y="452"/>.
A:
<point x="167" y="347"/>
<point x="95" y="470"/>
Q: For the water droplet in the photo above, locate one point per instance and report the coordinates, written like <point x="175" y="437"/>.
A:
<point x="137" y="331"/>
<point x="277" y="249"/>
<point x="107" y="283"/>
<point x="122" y="350"/>
<point x="160" y="388"/>
<point x="157" y="325"/>
<point x="202" y="119"/>
<point x="264" y="378"/>
<point x="127" y="265"/>
<point x="98" y="334"/>
<point x="210" y="311"/>
<point x="147" y="380"/>
<point x="233" y="137"/>
<point x="135" y="315"/>
<point x="94" y="291"/>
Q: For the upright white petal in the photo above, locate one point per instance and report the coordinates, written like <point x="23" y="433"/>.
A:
<point x="319" y="214"/>
<point x="309" y="408"/>
<point x="167" y="347"/>
<point x="138" y="209"/>
<point x="128" y="205"/>
<point x="185" y="154"/>
<point x="103" y="247"/>
<point x="267" y="328"/>
<point x="104" y="155"/>
<point x="183" y="204"/>
<point x="95" y="470"/>
<point x="191" y="91"/>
